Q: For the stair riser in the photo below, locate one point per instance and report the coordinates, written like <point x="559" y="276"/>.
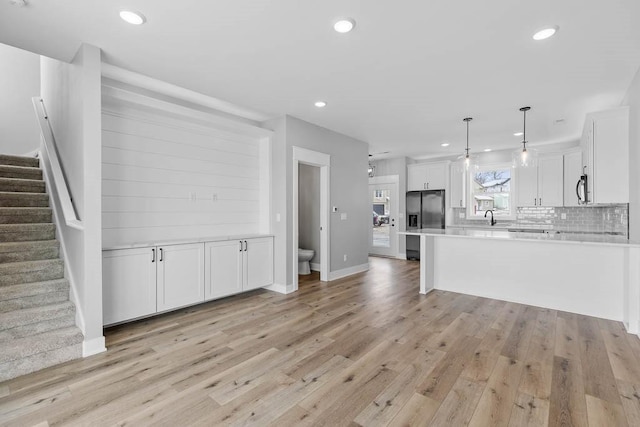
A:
<point x="33" y="255"/>
<point x="8" y="160"/>
<point x="15" y="319"/>
<point x="18" y="173"/>
<point x="27" y="236"/>
<point x="18" y="200"/>
<point x="37" y="218"/>
<point x="23" y="187"/>
<point x="55" y="272"/>
<point x="33" y="301"/>
<point x="39" y="361"/>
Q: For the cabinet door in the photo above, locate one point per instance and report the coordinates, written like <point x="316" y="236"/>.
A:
<point x="527" y="185"/>
<point x="180" y="275"/>
<point x="457" y="187"/>
<point x="610" y="157"/>
<point x="223" y="268"/>
<point x="572" y="173"/>
<point x="550" y="181"/>
<point x="436" y="176"/>
<point x="416" y="177"/>
<point x="258" y="263"/>
<point x="128" y="284"/>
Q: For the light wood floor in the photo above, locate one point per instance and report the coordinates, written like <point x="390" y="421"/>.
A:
<point x="366" y="350"/>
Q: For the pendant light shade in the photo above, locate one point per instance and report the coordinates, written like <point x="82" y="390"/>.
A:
<point x="525" y="157"/>
<point x="466" y="160"/>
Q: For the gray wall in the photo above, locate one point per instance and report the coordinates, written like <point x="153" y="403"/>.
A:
<point x="309" y="209"/>
<point x="632" y="99"/>
<point x="347" y="191"/>
<point x="19" y="82"/>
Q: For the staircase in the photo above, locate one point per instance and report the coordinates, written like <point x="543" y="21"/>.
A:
<point x="37" y="320"/>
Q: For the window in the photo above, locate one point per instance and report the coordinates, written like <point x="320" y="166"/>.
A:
<point x="490" y="189"/>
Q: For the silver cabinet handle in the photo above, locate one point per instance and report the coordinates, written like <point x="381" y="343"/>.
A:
<point x="153" y="255"/>
<point x="160" y="255"/>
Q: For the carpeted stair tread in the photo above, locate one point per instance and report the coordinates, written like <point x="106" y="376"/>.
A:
<point x="26" y="316"/>
<point x="29" y="251"/>
<point x="9" y="160"/>
<point x="22" y="185"/>
<point x="23" y="290"/>
<point x="40" y="343"/>
<point x="14" y="273"/>
<point x="28" y="215"/>
<point x="13" y="199"/>
<point x="39" y="361"/>
<point x="43" y="326"/>
<point x="27" y="232"/>
<point x="23" y="172"/>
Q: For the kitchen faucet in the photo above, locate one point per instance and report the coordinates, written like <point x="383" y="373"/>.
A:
<point x="492" y="221"/>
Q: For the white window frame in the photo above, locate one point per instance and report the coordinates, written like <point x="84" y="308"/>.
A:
<point x="512" y="187"/>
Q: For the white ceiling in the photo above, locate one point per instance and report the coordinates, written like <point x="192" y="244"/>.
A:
<point x="401" y="81"/>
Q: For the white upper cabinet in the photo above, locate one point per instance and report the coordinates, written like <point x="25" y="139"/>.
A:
<point x="457" y="187"/>
<point x="427" y="176"/>
<point x="541" y="186"/>
<point x="572" y="172"/>
<point x="605" y="151"/>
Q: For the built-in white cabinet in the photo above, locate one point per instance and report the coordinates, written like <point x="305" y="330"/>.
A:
<point x="457" y="187"/>
<point x="605" y="154"/>
<point x="143" y="281"/>
<point x="237" y="266"/>
<point x="128" y="284"/>
<point x="427" y="176"/>
<point x="180" y="277"/>
<point x="541" y="186"/>
<point x="572" y="171"/>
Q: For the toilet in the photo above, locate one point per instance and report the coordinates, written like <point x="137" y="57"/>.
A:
<point x="304" y="256"/>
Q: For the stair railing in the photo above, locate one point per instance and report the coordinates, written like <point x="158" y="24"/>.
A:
<point x="59" y="180"/>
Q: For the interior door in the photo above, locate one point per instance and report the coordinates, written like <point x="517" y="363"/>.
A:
<point x="383" y="239"/>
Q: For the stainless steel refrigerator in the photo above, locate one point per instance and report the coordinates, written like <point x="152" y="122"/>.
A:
<point x="425" y="209"/>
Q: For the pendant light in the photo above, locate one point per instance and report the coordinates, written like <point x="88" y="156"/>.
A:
<point x="465" y="159"/>
<point x="526" y="157"/>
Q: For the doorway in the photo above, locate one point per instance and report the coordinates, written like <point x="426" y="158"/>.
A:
<point x="323" y="162"/>
<point x="383" y="195"/>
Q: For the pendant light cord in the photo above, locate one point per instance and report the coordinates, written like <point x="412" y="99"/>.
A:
<point x="524" y="127"/>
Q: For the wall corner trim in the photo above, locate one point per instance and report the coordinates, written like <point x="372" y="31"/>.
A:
<point x="93" y="346"/>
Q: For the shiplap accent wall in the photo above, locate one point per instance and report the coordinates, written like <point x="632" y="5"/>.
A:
<point x="165" y="178"/>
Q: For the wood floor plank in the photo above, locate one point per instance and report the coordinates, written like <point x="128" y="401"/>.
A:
<point x="366" y="350"/>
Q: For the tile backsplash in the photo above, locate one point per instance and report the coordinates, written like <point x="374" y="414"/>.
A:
<point x="610" y="219"/>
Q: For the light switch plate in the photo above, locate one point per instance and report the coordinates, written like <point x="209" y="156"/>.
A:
<point x="343" y="216"/>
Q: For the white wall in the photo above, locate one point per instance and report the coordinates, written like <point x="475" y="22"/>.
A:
<point x="168" y="178"/>
<point x="348" y="192"/>
<point x="632" y="99"/>
<point x="309" y="209"/>
<point x="71" y="94"/>
<point x="19" y="82"/>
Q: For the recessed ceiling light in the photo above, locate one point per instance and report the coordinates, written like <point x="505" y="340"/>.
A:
<point x="135" y="18"/>
<point x="545" y="33"/>
<point x="444" y="144"/>
<point x="320" y="104"/>
<point x="487" y="150"/>
<point x="518" y="134"/>
<point x="344" y="25"/>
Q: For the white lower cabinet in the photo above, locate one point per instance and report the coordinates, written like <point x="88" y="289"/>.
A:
<point x="180" y="279"/>
<point x="144" y="281"/>
<point x="128" y="284"/>
<point x="237" y="266"/>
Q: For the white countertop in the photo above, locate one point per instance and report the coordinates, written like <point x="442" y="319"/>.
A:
<point x="185" y="241"/>
<point x="573" y="238"/>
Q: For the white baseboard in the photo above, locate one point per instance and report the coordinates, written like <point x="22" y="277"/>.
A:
<point x="279" y="288"/>
<point x="314" y="266"/>
<point x="93" y="346"/>
<point x="632" y="328"/>
<point x="402" y="256"/>
<point x="339" y="274"/>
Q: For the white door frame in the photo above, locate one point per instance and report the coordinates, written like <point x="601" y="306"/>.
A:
<point x="323" y="161"/>
<point x="394" y="181"/>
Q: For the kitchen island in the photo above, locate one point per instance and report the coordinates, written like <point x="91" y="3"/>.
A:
<point x="595" y="275"/>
